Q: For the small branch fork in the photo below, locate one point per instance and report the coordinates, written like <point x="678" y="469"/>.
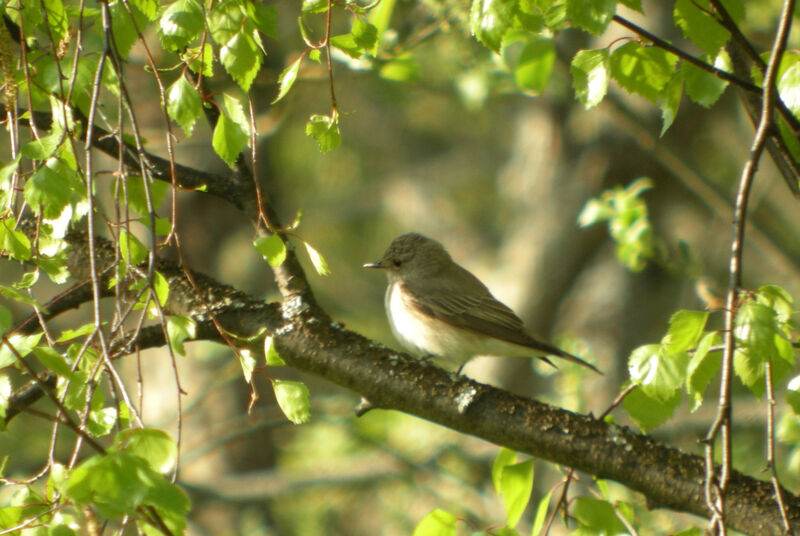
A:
<point x="716" y="484"/>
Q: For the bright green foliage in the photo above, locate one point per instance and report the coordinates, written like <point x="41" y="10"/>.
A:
<point x="763" y="324"/>
<point x="56" y="18"/>
<point x="659" y="372"/>
<point x="590" y="76"/>
<point x="132" y="194"/>
<point x="702" y="368"/>
<point x="594" y="16"/>
<point x="119" y="483"/>
<point x="272" y="357"/>
<point x="670" y="101"/>
<point x="184" y="104"/>
<point x="180" y="24"/>
<point x="648" y="412"/>
<point x="53" y="361"/>
<point x="154" y="446"/>
<point x="241" y="50"/>
<point x="490" y="19"/>
<point x="14" y="243"/>
<point x="402" y="69"/>
<point x="514" y="481"/>
<point x="293" y="399"/>
<point x="54" y="186"/>
<point x="644" y="70"/>
<point x="287" y="78"/>
<point x="229" y="139"/>
<point x="179" y="329"/>
<point x="324" y="129"/>
<point x="789" y="86"/>
<point x="272" y="248"/>
<point x="698" y="26"/>
<point x="596" y="516"/>
<point x="685" y="330"/>
<point x="530" y="57"/>
<point x="628" y="222"/>
<point x="125" y="26"/>
<point x="541" y="514"/>
<point x="703" y="87"/>
<point x="132" y="250"/>
<point x="22" y="345"/>
<point x="319" y="262"/>
<point x="437" y="523"/>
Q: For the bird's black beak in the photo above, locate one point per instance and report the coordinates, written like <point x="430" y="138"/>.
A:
<point x="374" y="265"/>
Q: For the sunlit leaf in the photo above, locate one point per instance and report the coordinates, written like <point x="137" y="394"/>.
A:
<point x="293" y="399"/>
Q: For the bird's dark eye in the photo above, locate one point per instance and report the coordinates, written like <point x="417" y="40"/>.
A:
<point x="397" y="263"/>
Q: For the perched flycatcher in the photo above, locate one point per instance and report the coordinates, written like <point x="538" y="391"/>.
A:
<point x="440" y="310"/>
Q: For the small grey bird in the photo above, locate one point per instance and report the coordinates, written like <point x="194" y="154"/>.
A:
<point x="438" y="309"/>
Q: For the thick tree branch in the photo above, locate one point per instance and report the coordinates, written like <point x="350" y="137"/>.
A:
<point x="309" y="341"/>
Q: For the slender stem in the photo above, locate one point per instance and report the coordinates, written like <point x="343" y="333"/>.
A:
<point x="722" y="423"/>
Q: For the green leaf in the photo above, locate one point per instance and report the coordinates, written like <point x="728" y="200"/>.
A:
<point x="272" y="248"/>
<point x="670" y="101"/>
<point x="703" y="366"/>
<point x="658" y="372"/>
<point x="789" y="87"/>
<point x="755" y="328"/>
<point x="53" y="187"/>
<point x="184" y="104"/>
<point x="531" y="58"/>
<point x="319" y="262"/>
<point x="180" y="328"/>
<point x="516" y="485"/>
<point x="56" y="18"/>
<point x="598" y="516"/>
<point x="200" y="61"/>
<point x="229" y="140"/>
<point x="273" y="358"/>
<point x="293" y="399"/>
<point x="44" y="147"/>
<point x="703" y="87"/>
<point x="22" y="344"/>
<point x="779" y="300"/>
<point x="180" y="24"/>
<point x="685" y="329"/>
<point x="541" y="514"/>
<point x="248" y="362"/>
<point x="131" y="249"/>
<point x="241" y="56"/>
<point x="69" y="334"/>
<point x="287" y="78"/>
<point x="490" y="19"/>
<point x="5" y="394"/>
<point x="644" y="70"/>
<point x="324" y="129"/>
<point x="589" y="71"/>
<point x="347" y="44"/>
<point x="648" y="412"/>
<point x="792" y="395"/>
<point x="265" y="18"/>
<point x="102" y="421"/>
<point x="148" y="7"/>
<point x="364" y="34"/>
<point x="594" y="16"/>
<point x="20" y="297"/>
<point x="14" y="242"/>
<point x="700" y="27"/>
<point x="152" y="445"/>
<point x="504" y="457"/>
<point x="136" y="198"/>
<point x="380" y="16"/>
<point x="437" y="523"/>
<point x="125" y="26"/>
<point x="161" y="289"/>
<point x="53" y="361"/>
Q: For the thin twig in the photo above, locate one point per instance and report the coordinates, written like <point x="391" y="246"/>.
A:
<point x="771" y="447"/>
<point x="722" y="423"/>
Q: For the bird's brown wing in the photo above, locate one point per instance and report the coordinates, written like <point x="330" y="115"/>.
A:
<point x="466" y="303"/>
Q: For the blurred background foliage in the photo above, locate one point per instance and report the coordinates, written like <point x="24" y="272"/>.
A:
<point x="457" y="153"/>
